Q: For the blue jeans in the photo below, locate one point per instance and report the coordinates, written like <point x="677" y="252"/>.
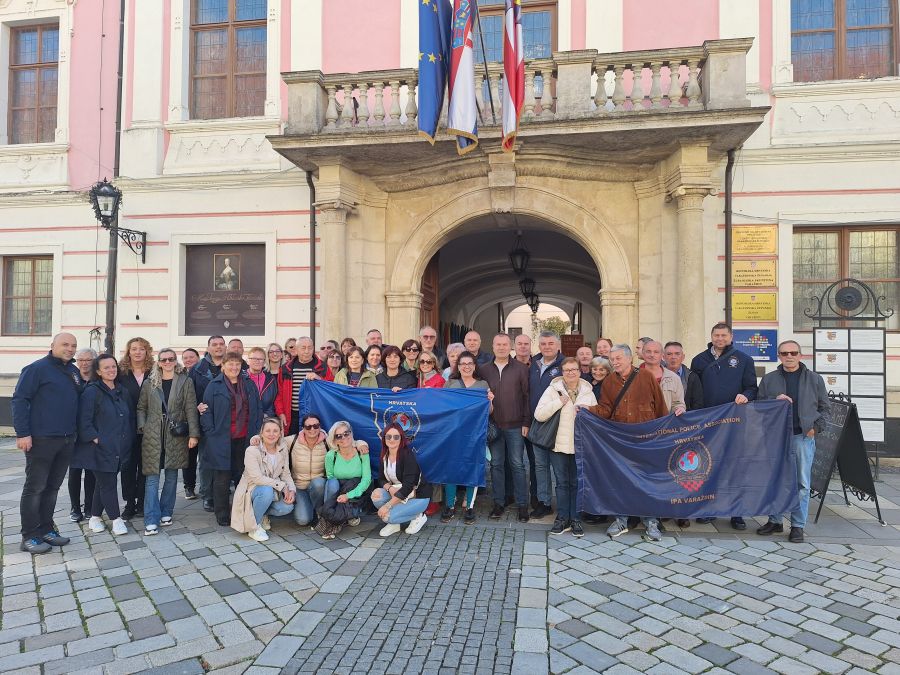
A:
<point x="399" y="513"/>
<point x="566" y="485"/>
<point x="264" y="503"/>
<point x="450" y="496"/>
<point x="804" y="449"/>
<point x="309" y="500"/>
<point x="333" y="489"/>
<point x="155" y="507"/>
<point x="542" y="473"/>
<point x="510" y="444"/>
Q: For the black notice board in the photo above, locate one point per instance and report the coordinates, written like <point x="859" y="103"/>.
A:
<point x="842" y="443"/>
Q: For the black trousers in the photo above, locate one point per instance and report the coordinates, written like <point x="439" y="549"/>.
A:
<point x="75" y="488"/>
<point x="238" y="450"/>
<point x="221" y="484"/>
<point x="45" y="468"/>
<point x="189" y="475"/>
<point x="106" y="497"/>
<point x="132" y="476"/>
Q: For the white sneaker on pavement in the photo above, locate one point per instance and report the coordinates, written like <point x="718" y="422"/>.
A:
<point x="150" y="530"/>
<point x="165" y="521"/>
<point x="119" y="527"/>
<point x="416" y="524"/>
<point x="389" y="529"/>
<point x="258" y="534"/>
<point x="96" y="524"/>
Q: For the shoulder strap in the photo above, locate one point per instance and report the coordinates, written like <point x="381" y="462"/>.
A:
<point x="162" y="399"/>
<point x="621" y="395"/>
<point x="293" y="443"/>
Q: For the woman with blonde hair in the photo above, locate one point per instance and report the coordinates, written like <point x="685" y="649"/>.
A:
<point x="266" y="486"/>
<point x="348" y="474"/>
<point x="134" y="368"/>
<point x="170" y="426"/>
<point x="429" y="376"/>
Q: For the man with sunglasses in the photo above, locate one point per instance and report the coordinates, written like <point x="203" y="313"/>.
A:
<point x="805" y="390"/>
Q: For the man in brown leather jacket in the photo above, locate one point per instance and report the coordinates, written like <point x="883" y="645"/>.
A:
<point x="643" y="401"/>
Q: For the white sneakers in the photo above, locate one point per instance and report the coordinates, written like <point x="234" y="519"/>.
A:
<point x="266" y="524"/>
<point x="119" y="527"/>
<point x="389" y="529"/>
<point x="416" y="523"/>
<point x="96" y="524"/>
<point x="165" y="521"/>
<point x="353" y="522"/>
<point x="259" y="534"/>
<point x="150" y="530"/>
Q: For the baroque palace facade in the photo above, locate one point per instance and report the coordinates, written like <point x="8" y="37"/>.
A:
<point x="616" y="188"/>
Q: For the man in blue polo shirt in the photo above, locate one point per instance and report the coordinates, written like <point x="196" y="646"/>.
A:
<point x="727" y="376"/>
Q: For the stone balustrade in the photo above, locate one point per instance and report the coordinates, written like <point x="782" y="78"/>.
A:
<point x="570" y="85"/>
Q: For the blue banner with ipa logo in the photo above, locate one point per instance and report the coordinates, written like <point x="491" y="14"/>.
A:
<point x="729" y="460"/>
<point x="447" y="428"/>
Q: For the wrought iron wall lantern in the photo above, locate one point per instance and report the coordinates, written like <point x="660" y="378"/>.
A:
<point x="519" y="255"/>
<point x="106" y="198"/>
<point x="527" y="286"/>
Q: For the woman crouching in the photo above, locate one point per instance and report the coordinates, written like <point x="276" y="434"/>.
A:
<point x="348" y="475"/>
<point x="404" y="494"/>
<point x="266" y="487"/>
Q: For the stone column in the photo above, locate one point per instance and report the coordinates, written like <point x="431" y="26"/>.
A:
<point x="618" y="316"/>
<point x="691" y="282"/>
<point x="404" y="315"/>
<point x="332" y="222"/>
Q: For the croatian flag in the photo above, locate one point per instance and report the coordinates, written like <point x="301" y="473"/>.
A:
<point x="463" y="113"/>
<point x="513" y="72"/>
<point x="434" y="61"/>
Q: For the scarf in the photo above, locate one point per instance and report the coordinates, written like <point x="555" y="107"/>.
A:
<point x="240" y="408"/>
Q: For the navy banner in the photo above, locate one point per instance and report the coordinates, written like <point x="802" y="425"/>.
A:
<point x="447" y="428"/>
<point x="729" y="460"/>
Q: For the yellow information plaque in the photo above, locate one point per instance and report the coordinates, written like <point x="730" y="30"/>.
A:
<point x="754" y="306"/>
<point x="753" y="273"/>
<point x="754" y="240"/>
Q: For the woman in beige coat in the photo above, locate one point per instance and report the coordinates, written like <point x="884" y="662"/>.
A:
<point x="266" y="487"/>
<point x="564" y="394"/>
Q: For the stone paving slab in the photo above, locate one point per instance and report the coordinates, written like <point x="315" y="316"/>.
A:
<point x="491" y="597"/>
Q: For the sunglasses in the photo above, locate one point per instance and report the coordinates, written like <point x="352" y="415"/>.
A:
<point x="326" y="348"/>
<point x="334" y="355"/>
<point x="392" y="437"/>
<point x="312" y="426"/>
<point x="425" y="362"/>
<point x="794" y="353"/>
<point x="342" y="436"/>
<point x="412" y="349"/>
<point x="168" y="359"/>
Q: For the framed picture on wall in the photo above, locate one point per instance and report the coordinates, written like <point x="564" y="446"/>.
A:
<point x="227" y="269"/>
<point x="225" y="289"/>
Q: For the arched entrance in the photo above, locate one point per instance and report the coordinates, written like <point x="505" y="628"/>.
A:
<point x="578" y="234"/>
<point x="476" y="287"/>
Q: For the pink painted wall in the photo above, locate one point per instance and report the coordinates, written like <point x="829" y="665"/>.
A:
<point x="579" y="23"/>
<point x="766" y="55"/>
<point x="360" y="35"/>
<point x="657" y="24"/>
<point x="92" y="99"/>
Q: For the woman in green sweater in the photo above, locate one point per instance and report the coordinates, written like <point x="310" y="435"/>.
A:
<point x="348" y="475"/>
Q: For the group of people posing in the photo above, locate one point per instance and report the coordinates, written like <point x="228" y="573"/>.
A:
<point x="230" y="421"/>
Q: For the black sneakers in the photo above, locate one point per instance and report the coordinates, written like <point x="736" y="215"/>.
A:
<point x="560" y="526"/>
<point x="497" y="512"/>
<point x="577" y="529"/>
<point x="35" y="546"/>
<point x="54" y="538"/>
<point x="770" y="528"/>
<point x="541" y="510"/>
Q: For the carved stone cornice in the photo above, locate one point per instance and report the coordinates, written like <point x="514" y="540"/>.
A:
<point x="335" y="210"/>
<point x="403" y="299"/>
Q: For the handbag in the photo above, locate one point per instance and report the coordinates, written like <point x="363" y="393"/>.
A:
<point x="177" y="429"/>
<point x="493" y="431"/>
<point x="543" y="434"/>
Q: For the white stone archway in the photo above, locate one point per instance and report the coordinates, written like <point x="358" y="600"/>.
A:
<point x="618" y="296"/>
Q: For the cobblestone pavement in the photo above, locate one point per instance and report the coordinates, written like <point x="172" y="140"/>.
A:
<point x="488" y="598"/>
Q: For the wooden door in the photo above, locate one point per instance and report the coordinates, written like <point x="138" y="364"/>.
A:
<point x="429" y="290"/>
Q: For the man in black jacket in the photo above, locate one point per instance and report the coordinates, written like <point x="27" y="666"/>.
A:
<point x="727" y="376"/>
<point x="693" y="390"/>
<point x="508" y="379"/>
<point x="45" y="412"/>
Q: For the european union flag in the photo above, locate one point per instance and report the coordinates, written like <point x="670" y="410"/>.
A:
<point x="434" y="62"/>
<point x="447" y="428"/>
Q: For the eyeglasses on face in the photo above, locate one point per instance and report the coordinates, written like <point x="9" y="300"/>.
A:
<point x="412" y="349"/>
<point x="426" y="362"/>
<point x="327" y="348"/>
<point x="392" y="437"/>
<point x="168" y="359"/>
<point x="334" y="355"/>
<point x="571" y="370"/>
<point x="466" y="364"/>
<point x="309" y="427"/>
<point x="275" y="351"/>
<point x="340" y="437"/>
<point x="789" y="353"/>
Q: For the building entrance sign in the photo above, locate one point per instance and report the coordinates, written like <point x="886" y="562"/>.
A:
<point x="754" y="306"/>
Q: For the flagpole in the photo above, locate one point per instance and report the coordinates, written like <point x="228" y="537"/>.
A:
<point x="484" y="60"/>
